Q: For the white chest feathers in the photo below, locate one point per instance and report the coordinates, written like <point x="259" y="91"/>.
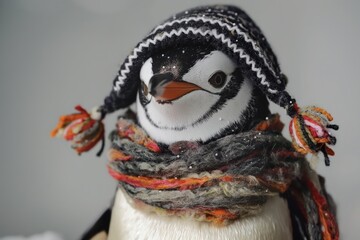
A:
<point x="129" y="224"/>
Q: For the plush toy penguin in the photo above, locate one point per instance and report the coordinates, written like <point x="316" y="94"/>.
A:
<point x="203" y="157"/>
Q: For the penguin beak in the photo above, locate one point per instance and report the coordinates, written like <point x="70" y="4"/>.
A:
<point x="164" y="89"/>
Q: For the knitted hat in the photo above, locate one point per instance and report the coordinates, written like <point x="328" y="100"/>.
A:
<point x="225" y="28"/>
<point x="231" y="31"/>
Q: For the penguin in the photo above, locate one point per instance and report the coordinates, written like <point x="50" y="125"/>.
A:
<point x="203" y="79"/>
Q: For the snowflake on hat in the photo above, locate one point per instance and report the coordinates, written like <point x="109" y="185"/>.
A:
<point x="203" y="144"/>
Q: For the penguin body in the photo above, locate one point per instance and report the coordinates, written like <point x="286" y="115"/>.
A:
<point x="273" y="223"/>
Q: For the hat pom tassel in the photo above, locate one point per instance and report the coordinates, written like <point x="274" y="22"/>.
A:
<point x="309" y="130"/>
<point x="83" y="129"/>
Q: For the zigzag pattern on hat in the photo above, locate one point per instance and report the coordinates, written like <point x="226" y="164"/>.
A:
<point x="212" y="32"/>
<point x="229" y="27"/>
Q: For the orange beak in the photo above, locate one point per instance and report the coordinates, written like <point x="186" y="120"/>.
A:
<point x="168" y="91"/>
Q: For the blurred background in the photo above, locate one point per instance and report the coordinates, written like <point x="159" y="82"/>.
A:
<point x="56" y="54"/>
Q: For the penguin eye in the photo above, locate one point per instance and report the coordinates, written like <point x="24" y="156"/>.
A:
<point x="144" y="88"/>
<point x="218" y="79"/>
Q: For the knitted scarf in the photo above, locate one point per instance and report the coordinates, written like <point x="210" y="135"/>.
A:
<point x="222" y="180"/>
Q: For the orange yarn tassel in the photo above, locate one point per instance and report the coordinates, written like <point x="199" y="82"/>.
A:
<point x="309" y="130"/>
<point x="79" y="128"/>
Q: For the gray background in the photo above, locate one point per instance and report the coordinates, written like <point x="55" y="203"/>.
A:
<point x="56" y="54"/>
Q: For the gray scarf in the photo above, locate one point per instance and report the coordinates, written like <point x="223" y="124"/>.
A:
<point x="220" y="181"/>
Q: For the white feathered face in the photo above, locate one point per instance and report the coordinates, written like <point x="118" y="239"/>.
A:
<point x="190" y="94"/>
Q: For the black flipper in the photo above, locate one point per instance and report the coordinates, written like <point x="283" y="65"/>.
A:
<point x="101" y="225"/>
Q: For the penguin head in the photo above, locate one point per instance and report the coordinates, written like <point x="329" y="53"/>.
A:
<point x="196" y="93"/>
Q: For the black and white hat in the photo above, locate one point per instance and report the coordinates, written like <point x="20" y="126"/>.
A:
<point x="231" y="31"/>
<point x="225" y="28"/>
